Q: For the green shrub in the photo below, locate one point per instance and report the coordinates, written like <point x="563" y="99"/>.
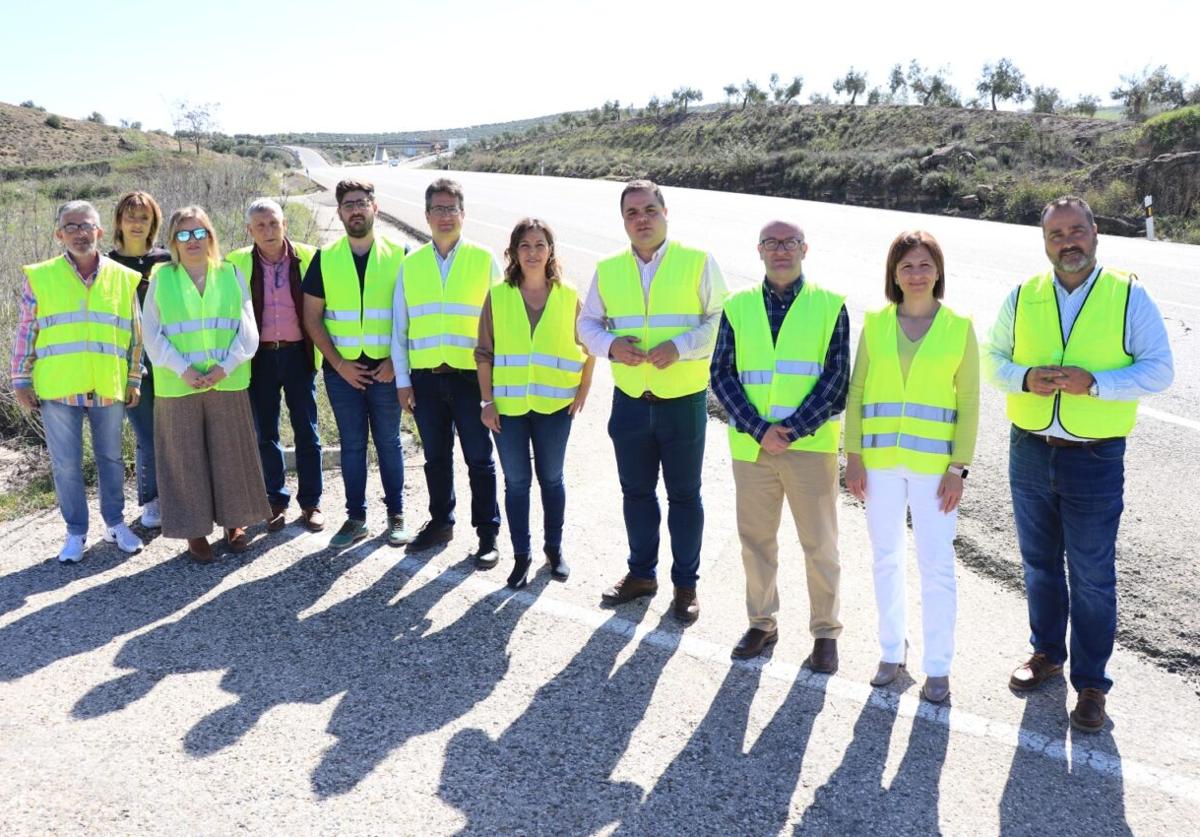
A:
<point x="1116" y="198"/>
<point x="54" y="121"/>
<point x="1175" y="130"/>
<point x="81" y="189"/>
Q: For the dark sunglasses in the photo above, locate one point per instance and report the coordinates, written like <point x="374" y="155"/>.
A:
<point x="183" y="236"/>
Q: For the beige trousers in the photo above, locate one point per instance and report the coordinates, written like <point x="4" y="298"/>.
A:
<point x="809" y="482"/>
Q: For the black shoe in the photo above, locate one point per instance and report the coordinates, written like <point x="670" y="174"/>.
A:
<point x="519" y="576"/>
<point x="433" y="533"/>
<point x="486" y="555"/>
<point x="558" y="567"/>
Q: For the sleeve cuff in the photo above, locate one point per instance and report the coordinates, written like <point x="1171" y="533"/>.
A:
<point x="403" y="380"/>
<point x="760" y="429"/>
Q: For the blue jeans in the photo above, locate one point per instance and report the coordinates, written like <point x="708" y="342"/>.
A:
<point x="356" y="410"/>
<point x="290" y="369"/>
<point x="447" y="403"/>
<point x="548" y="436"/>
<point x="141" y="419"/>
<point x="1069" y="500"/>
<point x="64" y="439"/>
<point x="670" y="434"/>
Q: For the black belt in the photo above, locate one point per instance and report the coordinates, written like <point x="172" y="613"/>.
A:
<point x="276" y="345"/>
<point x="1059" y="442"/>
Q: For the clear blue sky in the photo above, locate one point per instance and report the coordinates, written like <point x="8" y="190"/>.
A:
<point x="354" y="66"/>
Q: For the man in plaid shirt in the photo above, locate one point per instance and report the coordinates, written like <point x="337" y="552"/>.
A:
<point x="781" y="370"/>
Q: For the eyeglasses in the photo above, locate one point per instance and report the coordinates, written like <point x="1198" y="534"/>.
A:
<point x="788" y="244"/>
<point x="361" y="203"/>
<point x="183" y="236"/>
<point x="85" y="227"/>
<point x="444" y="211"/>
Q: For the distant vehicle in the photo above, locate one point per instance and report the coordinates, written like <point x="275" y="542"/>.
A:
<point x="393" y="162"/>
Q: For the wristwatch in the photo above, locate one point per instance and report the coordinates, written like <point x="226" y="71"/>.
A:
<point x="958" y="471"/>
<point x="483" y="404"/>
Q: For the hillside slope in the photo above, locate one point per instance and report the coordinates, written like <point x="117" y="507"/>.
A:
<point x="996" y="165"/>
<point x="27" y="141"/>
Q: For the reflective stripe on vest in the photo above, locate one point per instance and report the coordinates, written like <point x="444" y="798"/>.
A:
<point x="443" y="317"/>
<point x="200" y="327"/>
<point x="674" y="308"/>
<point x="83" y="334"/>
<point x="911" y="422"/>
<point x="1096" y="343"/>
<point x="777" y="375"/>
<point x="538" y="372"/>
<point x="358" y="316"/>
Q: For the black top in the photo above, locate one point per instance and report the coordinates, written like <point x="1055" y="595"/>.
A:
<point x="143" y="265"/>
<point x="314" y="285"/>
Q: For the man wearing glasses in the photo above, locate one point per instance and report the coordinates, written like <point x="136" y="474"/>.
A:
<point x="77" y="353"/>
<point x="781" y="369"/>
<point x="273" y="268"/>
<point x="653" y="309"/>
<point x="348" y="315"/>
<point x="439" y="297"/>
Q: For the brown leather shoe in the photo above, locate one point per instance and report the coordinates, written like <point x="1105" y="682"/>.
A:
<point x="278" y="518"/>
<point x="629" y="588"/>
<point x="314" y="521"/>
<point x="237" y="539"/>
<point x="1033" y="673"/>
<point x="686" y="606"/>
<point x="824" y="656"/>
<point x="1088" y="714"/>
<point x="754" y="642"/>
<point x="200" y="550"/>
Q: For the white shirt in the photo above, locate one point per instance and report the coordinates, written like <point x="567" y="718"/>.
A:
<point x="696" y="344"/>
<point x="162" y="353"/>
<point x="1152" y="369"/>
<point x="400" y="310"/>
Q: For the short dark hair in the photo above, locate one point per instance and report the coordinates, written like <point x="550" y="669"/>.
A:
<point x="901" y="246"/>
<point x="346" y="186"/>
<point x="445" y="186"/>
<point x="1073" y="201"/>
<point x="642" y="185"/>
<point x="512" y="267"/>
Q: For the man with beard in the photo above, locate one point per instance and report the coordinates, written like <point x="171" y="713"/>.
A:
<point x="348" y="314"/>
<point x="77" y="353"/>
<point x="1073" y="348"/>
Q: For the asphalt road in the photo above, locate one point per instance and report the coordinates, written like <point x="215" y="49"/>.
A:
<point x="1159" y="562"/>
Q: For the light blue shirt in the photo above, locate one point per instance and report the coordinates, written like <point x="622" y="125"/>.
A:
<point x="400" y="312"/>
<point x="1152" y="369"/>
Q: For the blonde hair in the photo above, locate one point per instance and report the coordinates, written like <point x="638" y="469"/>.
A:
<point x="183" y="214"/>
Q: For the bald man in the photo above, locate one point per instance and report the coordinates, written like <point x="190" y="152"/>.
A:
<point x="781" y="369"/>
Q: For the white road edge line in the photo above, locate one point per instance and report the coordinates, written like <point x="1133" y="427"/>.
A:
<point x="1070" y="752"/>
<point x="1150" y="412"/>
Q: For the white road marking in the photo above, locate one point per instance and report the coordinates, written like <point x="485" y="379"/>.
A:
<point x="1072" y="751"/>
<point x="1150" y="412"/>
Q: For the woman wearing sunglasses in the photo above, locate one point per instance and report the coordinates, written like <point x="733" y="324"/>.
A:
<point x="136" y="221"/>
<point x="911" y="418"/>
<point x="201" y="334"/>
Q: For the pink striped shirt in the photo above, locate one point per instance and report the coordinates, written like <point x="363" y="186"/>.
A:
<point x="280" y="320"/>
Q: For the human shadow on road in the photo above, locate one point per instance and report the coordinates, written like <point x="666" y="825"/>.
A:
<point x="853" y="799"/>
<point x="1050" y="791"/>
<point x="397" y="679"/>
<point x="551" y="771"/>
<point x="48" y="575"/>
<point x="713" y="786"/>
<point x="100" y="614"/>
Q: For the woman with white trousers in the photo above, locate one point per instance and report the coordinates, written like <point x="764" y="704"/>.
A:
<point x="911" y="419"/>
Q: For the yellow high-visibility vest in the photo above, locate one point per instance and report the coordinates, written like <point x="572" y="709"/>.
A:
<point x="359" y="318"/>
<point x="674" y="308"/>
<point x="243" y="259"/>
<point x="201" y="327"/>
<point x="443" y="318"/>
<point x="911" y="422"/>
<point x="778" y="375"/>
<point x="539" y="372"/>
<point x="1096" y="343"/>
<point x="83" y="333"/>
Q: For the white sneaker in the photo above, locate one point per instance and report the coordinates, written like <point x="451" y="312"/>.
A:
<point x="124" y="538"/>
<point x="72" y="551"/>
<point x="151" y="515"/>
